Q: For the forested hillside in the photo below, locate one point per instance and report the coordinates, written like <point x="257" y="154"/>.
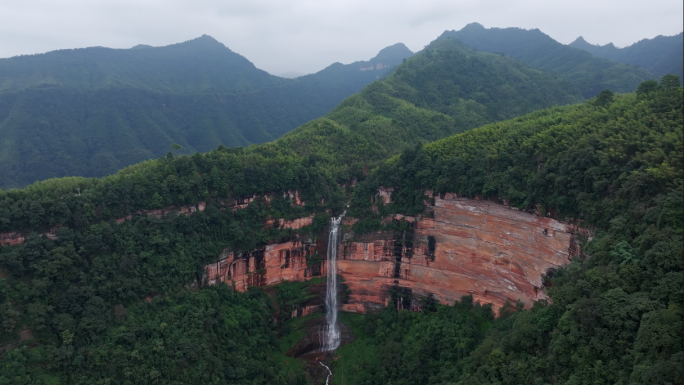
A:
<point x="589" y="73"/>
<point x="93" y="297"/>
<point x="95" y="264"/>
<point x="445" y="89"/>
<point x="615" y="164"/>
<point x="661" y="55"/>
<point x="90" y="112"/>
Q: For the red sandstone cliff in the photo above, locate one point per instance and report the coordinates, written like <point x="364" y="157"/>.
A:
<point x="469" y="247"/>
<point x="267" y="266"/>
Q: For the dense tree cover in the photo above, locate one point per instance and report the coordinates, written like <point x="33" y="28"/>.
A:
<point x="81" y="296"/>
<point x="211" y="336"/>
<point x="219" y="177"/>
<point x="404" y="347"/>
<point x="661" y="55"/>
<point x="447" y="88"/>
<point x="589" y="73"/>
<point x="90" y="112"/>
<point x="47" y="285"/>
<point x="615" y="164"/>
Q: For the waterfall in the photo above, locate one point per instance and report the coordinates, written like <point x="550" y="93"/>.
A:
<point x="332" y="331"/>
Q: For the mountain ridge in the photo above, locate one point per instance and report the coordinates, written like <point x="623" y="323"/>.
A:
<point x="661" y="55"/>
<point x="92" y="111"/>
<point x="538" y="50"/>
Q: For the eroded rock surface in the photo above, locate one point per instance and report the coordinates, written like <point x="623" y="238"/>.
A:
<point x="464" y="247"/>
<point x="470" y="247"/>
<point x="267" y="266"/>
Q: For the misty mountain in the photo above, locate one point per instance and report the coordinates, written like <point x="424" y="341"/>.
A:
<point x="661" y="55"/>
<point x="92" y="111"/>
<point x="589" y="73"/>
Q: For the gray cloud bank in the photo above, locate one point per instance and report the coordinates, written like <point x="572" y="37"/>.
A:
<point x="304" y="36"/>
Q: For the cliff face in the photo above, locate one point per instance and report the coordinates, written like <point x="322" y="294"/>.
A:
<point x="467" y="247"/>
<point x="470" y="247"/>
<point x="267" y="266"/>
<point x="464" y="247"/>
<point x="271" y="264"/>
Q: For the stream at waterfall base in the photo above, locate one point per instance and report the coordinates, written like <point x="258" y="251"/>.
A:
<point x="309" y="347"/>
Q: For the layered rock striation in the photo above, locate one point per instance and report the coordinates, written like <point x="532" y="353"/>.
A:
<point x="466" y="247"/>
<point x="267" y="266"/>
<point x="485" y="249"/>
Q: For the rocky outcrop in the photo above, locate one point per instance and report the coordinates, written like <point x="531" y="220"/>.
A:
<point x="159" y="213"/>
<point x="14" y="238"/>
<point x="293" y="224"/>
<point x="269" y="265"/>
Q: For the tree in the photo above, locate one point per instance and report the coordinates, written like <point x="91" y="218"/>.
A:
<point x="647" y="87"/>
<point x="605" y="98"/>
<point x="670" y="82"/>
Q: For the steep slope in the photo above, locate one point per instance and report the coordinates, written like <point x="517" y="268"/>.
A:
<point x="322" y="91"/>
<point x="90" y="112"/>
<point x="612" y="166"/>
<point x="661" y="55"/>
<point x="587" y="72"/>
<point x="447" y="88"/>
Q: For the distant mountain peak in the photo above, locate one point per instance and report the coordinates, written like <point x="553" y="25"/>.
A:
<point x="203" y="42"/>
<point x="207" y="37"/>
<point x="580" y="43"/>
<point x="473" y="26"/>
<point x="393" y="54"/>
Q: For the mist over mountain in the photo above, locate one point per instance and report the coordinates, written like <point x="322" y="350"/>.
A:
<point x="589" y="73"/>
<point x="661" y="55"/>
<point x="92" y="111"/>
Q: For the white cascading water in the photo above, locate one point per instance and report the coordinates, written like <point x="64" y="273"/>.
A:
<point x="327" y="378"/>
<point x="331" y="335"/>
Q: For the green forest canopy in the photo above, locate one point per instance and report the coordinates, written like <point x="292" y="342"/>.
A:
<point x="90" y="112"/>
<point x="617" y="164"/>
<point x="81" y="293"/>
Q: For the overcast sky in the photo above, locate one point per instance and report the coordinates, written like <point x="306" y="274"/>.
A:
<point x="307" y="35"/>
